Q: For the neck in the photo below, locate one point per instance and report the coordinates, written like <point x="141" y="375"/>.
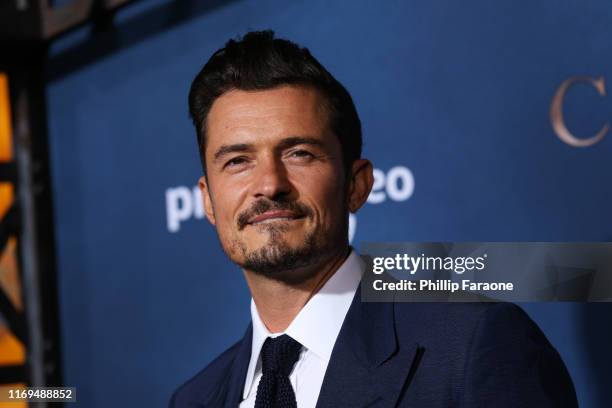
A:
<point x="278" y="302"/>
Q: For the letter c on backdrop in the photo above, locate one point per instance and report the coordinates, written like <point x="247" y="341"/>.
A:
<point x="556" y="112"/>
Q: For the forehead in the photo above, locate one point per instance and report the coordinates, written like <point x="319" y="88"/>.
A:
<point x="265" y="115"/>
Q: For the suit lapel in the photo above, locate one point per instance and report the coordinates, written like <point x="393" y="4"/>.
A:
<point x="237" y="372"/>
<point x="368" y="367"/>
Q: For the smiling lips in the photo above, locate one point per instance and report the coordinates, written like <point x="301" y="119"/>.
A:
<point x="273" y="216"/>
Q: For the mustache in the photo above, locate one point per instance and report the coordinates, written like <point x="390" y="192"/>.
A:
<point x="265" y="205"/>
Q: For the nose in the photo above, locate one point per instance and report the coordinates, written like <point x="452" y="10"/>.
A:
<point x="271" y="179"/>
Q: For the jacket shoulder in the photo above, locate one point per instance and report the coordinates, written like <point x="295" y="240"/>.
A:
<point x="203" y="386"/>
<point x="492" y="343"/>
<point x="510" y="353"/>
<point x="456" y="319"/>
<point x="462" y="327"/>
<point x="460" y="320"/>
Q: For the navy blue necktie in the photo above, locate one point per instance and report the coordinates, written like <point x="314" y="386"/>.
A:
<point x="278" y="356"/>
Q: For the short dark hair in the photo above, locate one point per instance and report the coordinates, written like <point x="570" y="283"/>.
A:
<point x="259" y="61"/>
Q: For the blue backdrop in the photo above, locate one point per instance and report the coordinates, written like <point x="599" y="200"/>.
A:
<point x="454" y="99"/>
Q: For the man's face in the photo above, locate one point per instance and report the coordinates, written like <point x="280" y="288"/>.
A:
<point x="276" y="186"/>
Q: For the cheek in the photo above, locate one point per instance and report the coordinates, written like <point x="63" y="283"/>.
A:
<point x="226" y="203"/>
<point x="325" y="198"/>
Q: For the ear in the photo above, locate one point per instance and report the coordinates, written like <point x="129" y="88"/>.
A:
<point x="206" y="200"/>
<point x="360" y="183"/>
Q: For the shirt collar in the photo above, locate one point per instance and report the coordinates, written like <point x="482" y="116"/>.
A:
<point x="318" y="324"/>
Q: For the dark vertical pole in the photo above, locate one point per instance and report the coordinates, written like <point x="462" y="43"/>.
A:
<point x="26" y="28"/>
<point x="34" y="197"/>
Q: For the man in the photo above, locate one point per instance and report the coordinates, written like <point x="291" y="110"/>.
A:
<point x="280" y="142"/>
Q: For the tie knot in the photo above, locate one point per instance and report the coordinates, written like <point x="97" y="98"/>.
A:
<point x="279" y="354"/>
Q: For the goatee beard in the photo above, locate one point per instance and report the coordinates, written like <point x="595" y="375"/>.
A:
<point x="279" y="261"/>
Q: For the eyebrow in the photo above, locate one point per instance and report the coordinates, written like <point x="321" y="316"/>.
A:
<point x="234" y="148"/>
<point x="284" y="144"/>
<point x="298" y="140"/>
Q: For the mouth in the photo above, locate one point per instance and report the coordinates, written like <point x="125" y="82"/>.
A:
<point x="274" y="216"/>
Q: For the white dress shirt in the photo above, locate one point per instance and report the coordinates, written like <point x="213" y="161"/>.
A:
<point x="316" y="328"/>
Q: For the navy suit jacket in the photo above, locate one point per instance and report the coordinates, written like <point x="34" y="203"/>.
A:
<point x="423" y="355"/>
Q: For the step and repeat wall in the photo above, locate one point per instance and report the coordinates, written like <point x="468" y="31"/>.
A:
<point x="485" y="121"/>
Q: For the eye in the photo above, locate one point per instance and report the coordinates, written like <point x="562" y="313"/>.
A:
<point x="236" y="161"/>
<point x="301" y="153"/>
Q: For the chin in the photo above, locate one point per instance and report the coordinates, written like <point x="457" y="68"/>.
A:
<point x="282" y="260"/>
